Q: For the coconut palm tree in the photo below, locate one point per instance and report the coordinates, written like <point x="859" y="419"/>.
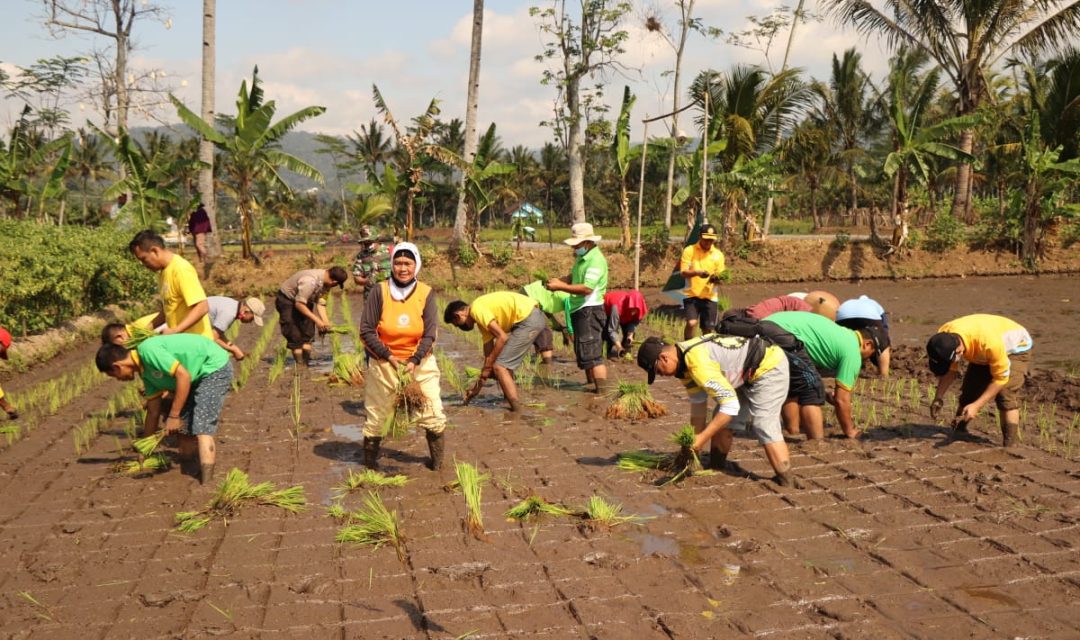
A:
<point x="410" y="152"/>
<point x="88" y="165"/>
<point x="152" y="176"/>
<point x="966" y="39"/>
<point x="371" y="148"/>
<point x="250" y="140"/>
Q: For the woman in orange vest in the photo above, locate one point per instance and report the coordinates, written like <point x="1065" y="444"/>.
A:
<point x="398" y="329"/>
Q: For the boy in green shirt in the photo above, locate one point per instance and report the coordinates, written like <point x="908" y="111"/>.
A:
<point x="191" y="368"/>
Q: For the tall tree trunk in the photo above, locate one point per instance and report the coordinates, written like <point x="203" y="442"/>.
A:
<point x="686" y="9"/>
<point x="854" y="194"/>
<point x="776" y="140"/>
<point x="961" y="204"/>
<point x="472" y="101"/>
<point x="624" y="213"/>
<point x="814" y="214"/>
<point x="1032" y="208"/>
<point x="574" y="151"/>
<point x="206" y="148"/>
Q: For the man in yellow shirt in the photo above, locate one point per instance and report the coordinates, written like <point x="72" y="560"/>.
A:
<point x="998" y="352"/>
<point x="701" y="265"/>
<point x="747" y="377"/>
<point x="183" y="302"/>
<point x="510" y="324"/>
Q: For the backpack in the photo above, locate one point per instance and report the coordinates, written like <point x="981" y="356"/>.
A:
<point x="755" y="352"/>
<point x="747" y="327"/>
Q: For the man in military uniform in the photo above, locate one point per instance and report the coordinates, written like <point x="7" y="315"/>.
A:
<point x="372" y="263"/>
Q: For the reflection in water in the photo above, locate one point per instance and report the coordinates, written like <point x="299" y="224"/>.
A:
<point x="351" y="432"/>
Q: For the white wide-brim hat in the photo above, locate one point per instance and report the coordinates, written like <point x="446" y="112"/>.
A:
<point x="579" y="233"/>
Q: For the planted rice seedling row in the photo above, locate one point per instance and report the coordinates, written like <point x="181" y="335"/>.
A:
<point x="48" y="398"/>
<point x="248" y="364"/>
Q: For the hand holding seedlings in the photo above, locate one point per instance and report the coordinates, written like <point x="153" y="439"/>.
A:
<point x="473" y="390"/>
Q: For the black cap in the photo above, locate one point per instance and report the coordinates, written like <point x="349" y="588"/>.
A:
<point x="878" y="337"/>
<point x="647" y="355"/>
<point x="940" y="350"/>
<point x="708" y="232"/>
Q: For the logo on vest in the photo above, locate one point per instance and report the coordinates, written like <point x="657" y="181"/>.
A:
<point x="403" y="320"/>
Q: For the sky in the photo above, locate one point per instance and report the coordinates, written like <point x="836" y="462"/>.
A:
<point x="331" y="52"/>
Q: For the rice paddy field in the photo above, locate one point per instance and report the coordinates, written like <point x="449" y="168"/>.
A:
<point x="904" y="534"/>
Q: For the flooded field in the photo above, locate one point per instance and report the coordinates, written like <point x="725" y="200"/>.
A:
<point x="904" y="534"/>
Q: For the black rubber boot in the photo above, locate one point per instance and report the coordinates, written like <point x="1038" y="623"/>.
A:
<point x="1010" y="434"/>
<point x="717" y="461"/>
<point x="206" y="473"/>
<point x="371" y="452"/>
<point x="436" y="443"/>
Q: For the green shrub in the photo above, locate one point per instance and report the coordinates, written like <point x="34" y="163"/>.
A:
<point x="53" y="274"/>
<point x="915" y="239"/>
<point x="842" y="240"/>
<point x="655" y="246"/>
<point x="944" y="233"/>
<point x="465" y="255"/>
<point x="502" y="253"/>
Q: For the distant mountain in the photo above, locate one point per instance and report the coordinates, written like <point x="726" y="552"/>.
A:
<point x="301" y="144"/>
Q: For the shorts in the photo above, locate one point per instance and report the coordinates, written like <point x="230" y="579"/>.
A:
<point x="522" y="337"/>
<point x="203" y="407"/>
<point x="762" y="400"/>
<point x="588" y="323"/>
<point x="977" y="378"/>
<point x="297" y="328"/>
<point x="804" y="383"/>
<point x="701" y="311"/>
<point x="545" y="340"/>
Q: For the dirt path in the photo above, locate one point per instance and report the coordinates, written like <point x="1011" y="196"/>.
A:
<point x="901" y="536"/>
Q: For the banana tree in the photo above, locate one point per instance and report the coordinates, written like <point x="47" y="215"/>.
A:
<point x="1047" y="181"/>
<point x="624" y="154"/>
<point x="250" y="143"/>
<point x="152" y="180"/>
<point x="22" y="158"/>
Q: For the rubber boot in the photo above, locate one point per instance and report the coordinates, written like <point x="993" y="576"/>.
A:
<point x="206" y="473"/>
<point x="436" y="443"/>
<point x="371" y="452"/>
<point x="1010" y="434"/>
<point x="717" y="461"/>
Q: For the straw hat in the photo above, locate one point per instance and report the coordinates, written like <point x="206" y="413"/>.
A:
<point x="581" y="232"/>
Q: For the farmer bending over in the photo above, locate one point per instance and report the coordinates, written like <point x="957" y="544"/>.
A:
<point x="998" y="352"/>
<point x="625" y="310"/>
<point x="510" y="324"/>
<point x="866" y="312"/>
<point x="398" y="328"/>
<point x="225" y="311"/>
<point x="302" y="309"/>
<point x="194" y="371"/>
<point x="745" y="376"/>
<point x="834" y="351"/>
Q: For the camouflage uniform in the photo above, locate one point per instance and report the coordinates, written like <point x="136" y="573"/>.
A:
<point x="372" y="262"/>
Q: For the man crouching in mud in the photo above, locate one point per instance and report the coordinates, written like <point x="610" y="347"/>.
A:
<point x="746" y="377"/>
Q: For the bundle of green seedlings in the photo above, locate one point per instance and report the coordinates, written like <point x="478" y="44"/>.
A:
<point x="409" y="402"/>
<point x="450" y="372"/>
<point x="145" y="447"/>
<point x="370" y="479"/>
<point x="533" y="507"/>
<point x="153" y="463"/>
<point x="375" y="525"/>
<point x="236" y="491"/>
<point x="471" y="484"/>
<point x="599" y="513"/>
<point x="339" y="329"/>
<point x="138" y="335"/>
<point x="682" y="464"/>
<point x="633" y="400"/>
<point x="348" y="369"/>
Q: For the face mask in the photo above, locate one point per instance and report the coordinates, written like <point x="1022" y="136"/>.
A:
<point x="580" y="251"/>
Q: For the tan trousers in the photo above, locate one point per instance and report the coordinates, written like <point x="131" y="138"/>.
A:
<point x="380" y="382"/>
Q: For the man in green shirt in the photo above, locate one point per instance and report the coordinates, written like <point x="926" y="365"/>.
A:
<point x="191" y="368"/>
<point x="834" y="351"/>
<point x="587" y="285"/>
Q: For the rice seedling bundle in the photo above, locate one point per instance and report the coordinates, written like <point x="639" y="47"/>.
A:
<point x="642" y="461"/>
<point x="136" y="337"/>
<point x="634" y="401"/>
<point x="534" y="507"/>
<point x="146" y="446"/>
<point x="151" y="464"/>
<point x="450" y="372"/>
<point x="339" y="329"/>
<point x="409" y="402"/>
<point x="374" y="524"/>
<point x="278" y="366"/>
<point x="471" y="484"/>
<point x="369" y="478"/>
<point x="600" y="512"/>
<point x="336" y="511"/>
<point x="348" y="369"/>
<point x="234" y="492"/>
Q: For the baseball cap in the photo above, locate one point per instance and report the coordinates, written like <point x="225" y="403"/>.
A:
<point x="708" y="232"/>
<point x="941" y="351"/>
<point x="5" y="342"/>
<point x="647" y="355"/>
<point x="257" y="308"/>
<point x="878" y="337"/>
